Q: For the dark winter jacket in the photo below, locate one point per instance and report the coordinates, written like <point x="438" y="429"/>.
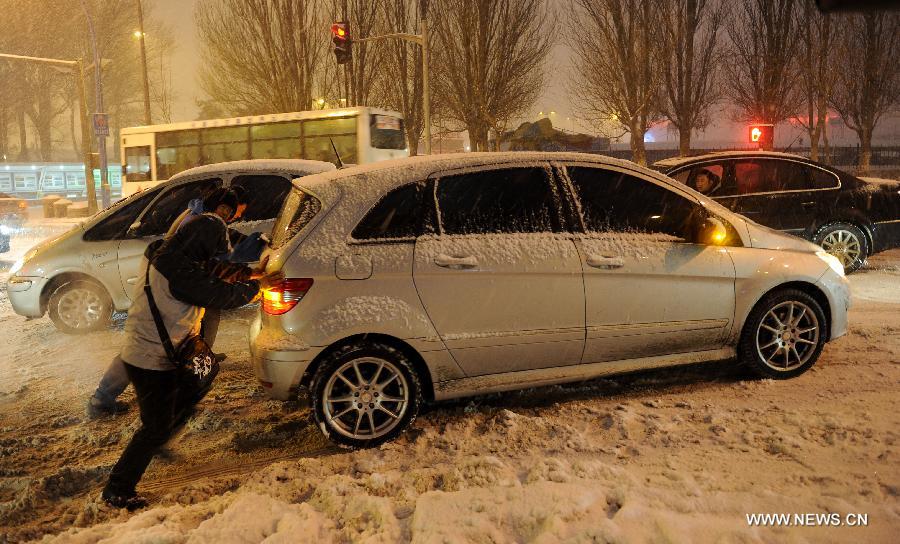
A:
<point x="184" y="280"/>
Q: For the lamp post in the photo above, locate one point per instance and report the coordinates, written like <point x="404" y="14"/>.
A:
<point x="98" y="88"/>
<point x="77" y="69"/>
<point x="140" y="35"/>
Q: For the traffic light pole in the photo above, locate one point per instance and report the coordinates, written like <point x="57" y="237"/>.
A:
<point x="422" y="40"/>
<point x="77" y="69"/>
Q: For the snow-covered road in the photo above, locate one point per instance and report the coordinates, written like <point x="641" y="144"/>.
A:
<point x="665" y="456"/>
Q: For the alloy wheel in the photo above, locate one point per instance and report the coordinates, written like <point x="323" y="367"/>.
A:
<point x="365" y="398"/>
<point x="787" y="336"/>
<point x="844" y="245"/>
<point x="80" y="308"/>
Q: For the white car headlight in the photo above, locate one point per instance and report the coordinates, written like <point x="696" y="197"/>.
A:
<point x="832" y="261"/>
<point x="5" y="231"/>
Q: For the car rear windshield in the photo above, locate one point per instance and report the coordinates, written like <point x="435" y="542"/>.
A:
<point x="298" y="210"/>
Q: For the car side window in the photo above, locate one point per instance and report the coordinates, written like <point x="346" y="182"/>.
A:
<point x="117" y="223"/>
<point x="794" y="176"/>
<point x="162" y="213"/>
<point x="757" y="176"/>
<point x="513" y="200"/>
<point x="265" y="195"/>
<point x="821" y="179"/>
<point x="397" y="215"/>
<point x="613" y="201"/>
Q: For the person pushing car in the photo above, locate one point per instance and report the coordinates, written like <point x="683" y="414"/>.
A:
<point x="181" y="280"/>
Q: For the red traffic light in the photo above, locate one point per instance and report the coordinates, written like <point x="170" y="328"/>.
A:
<point x="339" y="30"/>
<point x="762" y="134"/>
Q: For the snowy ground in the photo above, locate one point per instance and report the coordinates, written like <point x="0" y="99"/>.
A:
<point x="664" y="456"/>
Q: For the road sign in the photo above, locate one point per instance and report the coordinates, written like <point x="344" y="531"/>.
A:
<point x="101" y="124"/>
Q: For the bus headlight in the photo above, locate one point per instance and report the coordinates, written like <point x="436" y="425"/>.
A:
<point x="832" y="261"/>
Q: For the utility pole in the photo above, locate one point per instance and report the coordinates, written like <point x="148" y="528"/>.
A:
<point x="426" y="86"/>
<point x="140" y="9"/>
<point x="98" y="87"/>
<point x="76" y="67"/>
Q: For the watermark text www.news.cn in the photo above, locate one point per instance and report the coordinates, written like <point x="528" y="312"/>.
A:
<point x="809" y="519"/>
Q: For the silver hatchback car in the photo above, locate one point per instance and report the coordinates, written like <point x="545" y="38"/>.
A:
<point x="438" y="277"/>
<point x="81" y="276"/>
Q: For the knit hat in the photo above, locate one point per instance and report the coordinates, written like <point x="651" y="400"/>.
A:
<point x="219" y="197"/>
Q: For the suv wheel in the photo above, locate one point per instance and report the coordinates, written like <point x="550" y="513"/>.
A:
<point x="783" y="335"/>
<point x="846" y="242"/>
<point x="365" y="394"/>
<point x="79" y="307"/>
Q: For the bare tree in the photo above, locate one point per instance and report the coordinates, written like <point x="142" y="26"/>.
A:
<point x="616" y="77"/>
<point x="868" y="84"/>
<point x="401" y="90"/>
<point x="690" y="53"/>
<point x="762" y="79"/>
<point x="818" y="70"/>
<point x="261" y="56"/>
<point x="490" y="57"/>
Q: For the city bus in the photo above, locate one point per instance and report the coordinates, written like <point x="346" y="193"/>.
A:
<point x="152" y="154"/>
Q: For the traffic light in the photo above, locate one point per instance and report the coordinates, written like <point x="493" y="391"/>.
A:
<point x="340" y="35"/>
<point x="763" y="135"/>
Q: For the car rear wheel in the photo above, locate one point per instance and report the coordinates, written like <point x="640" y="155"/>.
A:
<point x="79" y="307"/>
<point x="365" y="394"/>
<point x="783" y="335"/>
<point x="846" y="242"/>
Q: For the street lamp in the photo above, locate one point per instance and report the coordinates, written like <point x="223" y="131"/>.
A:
<point x="140" y="35"/>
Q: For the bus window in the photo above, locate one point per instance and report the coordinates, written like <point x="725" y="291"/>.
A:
<point x="177" y="151"/>
<point x="387" y="132"/>
<point x="137" y="163"/>
<point x="5" y="182"/>
<point x="318" y="135"/>
<point x="275" y="141"/>
<point x="225" y="144"/>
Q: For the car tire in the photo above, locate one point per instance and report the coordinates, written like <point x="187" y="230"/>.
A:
<point x="845" y="241"/>
<point x="783" y="335"/>
<point x="350" y="389"/>
<point x="80" y="307"/>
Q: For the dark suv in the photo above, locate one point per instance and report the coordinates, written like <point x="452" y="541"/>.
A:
<point x="850" y="217"/>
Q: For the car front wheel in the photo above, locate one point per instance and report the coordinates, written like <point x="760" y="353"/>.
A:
<point x="79" y="307"/>
<point x="365" y="394"/>
<point x="846" y="242"/>
<point x="783" y="335"/>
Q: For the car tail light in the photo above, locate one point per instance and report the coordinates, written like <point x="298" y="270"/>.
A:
<point x="282" y="298"/>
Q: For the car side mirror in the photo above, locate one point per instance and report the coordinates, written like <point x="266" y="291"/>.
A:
<point x="710" y="231"/>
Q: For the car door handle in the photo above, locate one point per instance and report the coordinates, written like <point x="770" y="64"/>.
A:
<point x="604" y="261"/>
<point x="131" y="281"/>
<point x="808" y="204"/>
<point x="447" y="261"/>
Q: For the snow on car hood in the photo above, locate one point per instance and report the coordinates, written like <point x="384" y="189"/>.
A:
<point x="763" y="237"/>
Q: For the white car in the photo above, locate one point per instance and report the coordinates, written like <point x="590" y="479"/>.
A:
<point x="82" y="275"/>
<point x="438" y="277"/>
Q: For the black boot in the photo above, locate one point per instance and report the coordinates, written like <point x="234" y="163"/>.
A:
<point x="130" y="502"/>
<point x="97" y="409"/>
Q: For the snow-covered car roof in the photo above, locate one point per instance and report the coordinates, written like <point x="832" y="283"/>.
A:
<point x="293" y="166"/>
<point x="382" y="175"/>
<point x="679" y="161"/>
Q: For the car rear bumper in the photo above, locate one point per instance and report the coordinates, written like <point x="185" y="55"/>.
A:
<point x="279" y="360"/>
<point x="25" y="295"/>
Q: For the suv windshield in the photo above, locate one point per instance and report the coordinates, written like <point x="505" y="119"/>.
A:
<point x="298" y="210"/>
